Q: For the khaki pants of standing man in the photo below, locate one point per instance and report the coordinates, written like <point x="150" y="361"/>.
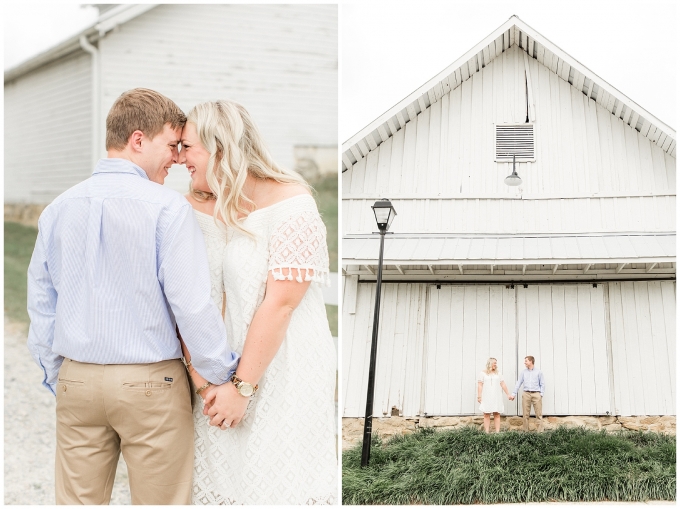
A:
<point x="528" y="399"/>
<point x="143" y="410"/>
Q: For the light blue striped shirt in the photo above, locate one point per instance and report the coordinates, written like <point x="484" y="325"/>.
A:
<point x="119" y="260"/>
<point x="532" y="380"/>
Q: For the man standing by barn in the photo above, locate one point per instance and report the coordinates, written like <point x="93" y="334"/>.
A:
<point x="118" y="262"/>
<point x="534" y="387"/>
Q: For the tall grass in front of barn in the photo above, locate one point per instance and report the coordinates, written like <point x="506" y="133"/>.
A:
<point x="467" y="466"/>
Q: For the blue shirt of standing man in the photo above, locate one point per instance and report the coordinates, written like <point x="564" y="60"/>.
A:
<point x="534" y="387"/>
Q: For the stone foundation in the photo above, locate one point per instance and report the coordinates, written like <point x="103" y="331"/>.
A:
<point x="23" y="213"/>
<point x="353" y="428"/>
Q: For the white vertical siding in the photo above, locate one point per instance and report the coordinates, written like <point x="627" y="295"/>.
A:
<point x="466" y="325"/>
<point x="442" y="163"/>
<point x="279" y="61"/>
<point x="47" y="130"/>
<point x="400" y="350"/>
<point x="433" y="342"/>
<point x="643" y="346"/>
<point x="563" y="327"/>
<point x="491" y="215"/>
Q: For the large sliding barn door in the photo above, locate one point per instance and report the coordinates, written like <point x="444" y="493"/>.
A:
<point x="466" y="325"/>
<point x="398" y="383"/>
<point x="564" y="327"/>
<point x="643" y="346"/>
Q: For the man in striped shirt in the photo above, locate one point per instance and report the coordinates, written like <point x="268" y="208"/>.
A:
<point x="534" y="387"/>
<point x="119" y="262"/>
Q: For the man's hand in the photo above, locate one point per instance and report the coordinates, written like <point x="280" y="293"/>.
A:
<point x="223" y="403"/>
<point x="511" y="397"/>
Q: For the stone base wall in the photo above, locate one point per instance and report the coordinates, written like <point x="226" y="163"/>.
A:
<point x="24" y="213"/>
<point x="353" y="428"/>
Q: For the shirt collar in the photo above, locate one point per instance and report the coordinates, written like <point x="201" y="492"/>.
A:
<point x="117" y="165"/>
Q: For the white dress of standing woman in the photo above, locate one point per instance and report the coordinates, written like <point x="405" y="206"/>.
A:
<point x="489" y="385"/>
<point x="268" y="257"/>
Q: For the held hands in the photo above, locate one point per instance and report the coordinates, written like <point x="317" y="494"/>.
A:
<point x="224" y="405"/>
<point x="511" y="397"/>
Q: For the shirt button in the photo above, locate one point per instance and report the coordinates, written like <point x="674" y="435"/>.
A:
<point x="148" y="393"/>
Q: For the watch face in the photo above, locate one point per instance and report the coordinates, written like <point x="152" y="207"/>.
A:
<point x="245" y="390"/>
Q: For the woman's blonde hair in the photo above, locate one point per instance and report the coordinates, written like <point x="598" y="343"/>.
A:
<point x="236" y="148"/>
<point x="488" y="366"/>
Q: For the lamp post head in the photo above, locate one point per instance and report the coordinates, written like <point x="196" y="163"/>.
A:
<point x="384" y="214"/>
<point x="513" y="179"/>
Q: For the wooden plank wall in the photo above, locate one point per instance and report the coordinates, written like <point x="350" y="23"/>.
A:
<point x="400" y="350"/>
<point x="592" y="171"/>
<point x="563" y="328"/>
<point x="433" y="342"/>
<point x="503" y="216"/>
<point x="47" y="130"/>
<point x="643" y="347"/>
<point x="466" y="326"/>
<point x="279" y="61"/>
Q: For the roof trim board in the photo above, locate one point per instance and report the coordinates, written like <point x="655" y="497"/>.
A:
<point x="512" y="32"/>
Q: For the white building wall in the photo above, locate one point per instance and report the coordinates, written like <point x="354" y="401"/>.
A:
<point x="643" y="346"/>
<point x="604" y="350"/>
<point x="279" y="61"/>
<point x="47" y="130"/>
<point x="592" y="172"/>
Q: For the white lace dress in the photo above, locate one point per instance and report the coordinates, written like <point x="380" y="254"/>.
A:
<point x="284" y="450"/>
<point x="492" y="393"/>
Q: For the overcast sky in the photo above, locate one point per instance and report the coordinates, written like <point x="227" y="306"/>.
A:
<point x="391" y="49"/>
<point x="31" y="28"/>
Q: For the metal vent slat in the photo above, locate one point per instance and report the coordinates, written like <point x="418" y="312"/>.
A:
<point x="515" y="139"/>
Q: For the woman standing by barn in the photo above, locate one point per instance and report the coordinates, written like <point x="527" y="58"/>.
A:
<point x="489" y="397"/>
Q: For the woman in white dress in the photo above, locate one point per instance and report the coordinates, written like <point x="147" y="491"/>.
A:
<point x="489" y="384"/>
<point x="267" y="248"/>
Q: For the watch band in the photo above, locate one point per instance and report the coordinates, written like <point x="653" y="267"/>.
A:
<point x="238" y="382"/>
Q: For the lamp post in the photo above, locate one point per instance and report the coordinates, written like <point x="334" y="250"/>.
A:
<point x="384" y="215"/>
<point x="513" y="179"/>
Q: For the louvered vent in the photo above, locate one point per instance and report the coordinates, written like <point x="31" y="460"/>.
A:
<point x="517" y="139"/>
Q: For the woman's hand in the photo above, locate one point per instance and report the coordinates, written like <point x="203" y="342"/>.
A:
<point x="479" y="399"/>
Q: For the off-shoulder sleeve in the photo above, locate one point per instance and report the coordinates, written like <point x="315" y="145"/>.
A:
<point x="480" y="376"/>
<point x="297" y="249"/>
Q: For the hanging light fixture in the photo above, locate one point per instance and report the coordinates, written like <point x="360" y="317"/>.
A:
<point x="514" y="179"/>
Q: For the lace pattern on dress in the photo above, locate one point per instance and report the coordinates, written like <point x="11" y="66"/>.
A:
<point x="299" y="243"/>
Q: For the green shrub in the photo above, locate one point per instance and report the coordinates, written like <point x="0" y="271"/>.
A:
<point x="467" y="466"/>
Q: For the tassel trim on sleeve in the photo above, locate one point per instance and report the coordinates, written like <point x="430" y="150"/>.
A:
<point x="313" y="274"/>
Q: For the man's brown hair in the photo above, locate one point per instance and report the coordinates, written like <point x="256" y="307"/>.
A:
<point x="140" y="109"/>
<point x="531" y="358"/>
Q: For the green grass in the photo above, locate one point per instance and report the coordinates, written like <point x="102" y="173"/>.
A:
<point x="19" y="244"/>
<point x="332" y="314"/>
<point x="326" y="194"/>
<point x="467" y="466"/>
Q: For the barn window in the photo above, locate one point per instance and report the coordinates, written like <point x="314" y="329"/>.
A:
<point x="514" y="139"/>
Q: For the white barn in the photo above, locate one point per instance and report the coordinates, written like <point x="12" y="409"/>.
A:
<point x="576" y="266"/>
<point x="279" y="61"/>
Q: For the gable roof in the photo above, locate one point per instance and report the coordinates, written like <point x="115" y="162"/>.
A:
<point x="107" y="21"/>
<point x="512" y="32"/>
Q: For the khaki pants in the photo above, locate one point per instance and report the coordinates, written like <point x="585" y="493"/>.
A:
<point x="528" y="399"/>
<point x="143" y="410"/>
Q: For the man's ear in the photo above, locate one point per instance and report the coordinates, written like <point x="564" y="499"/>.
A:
<point x="135" y="140"/>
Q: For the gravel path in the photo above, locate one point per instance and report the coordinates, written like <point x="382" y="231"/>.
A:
<point x="30" y="430"/>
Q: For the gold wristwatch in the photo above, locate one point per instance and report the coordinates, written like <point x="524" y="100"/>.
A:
<point x="244" y="388"/>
